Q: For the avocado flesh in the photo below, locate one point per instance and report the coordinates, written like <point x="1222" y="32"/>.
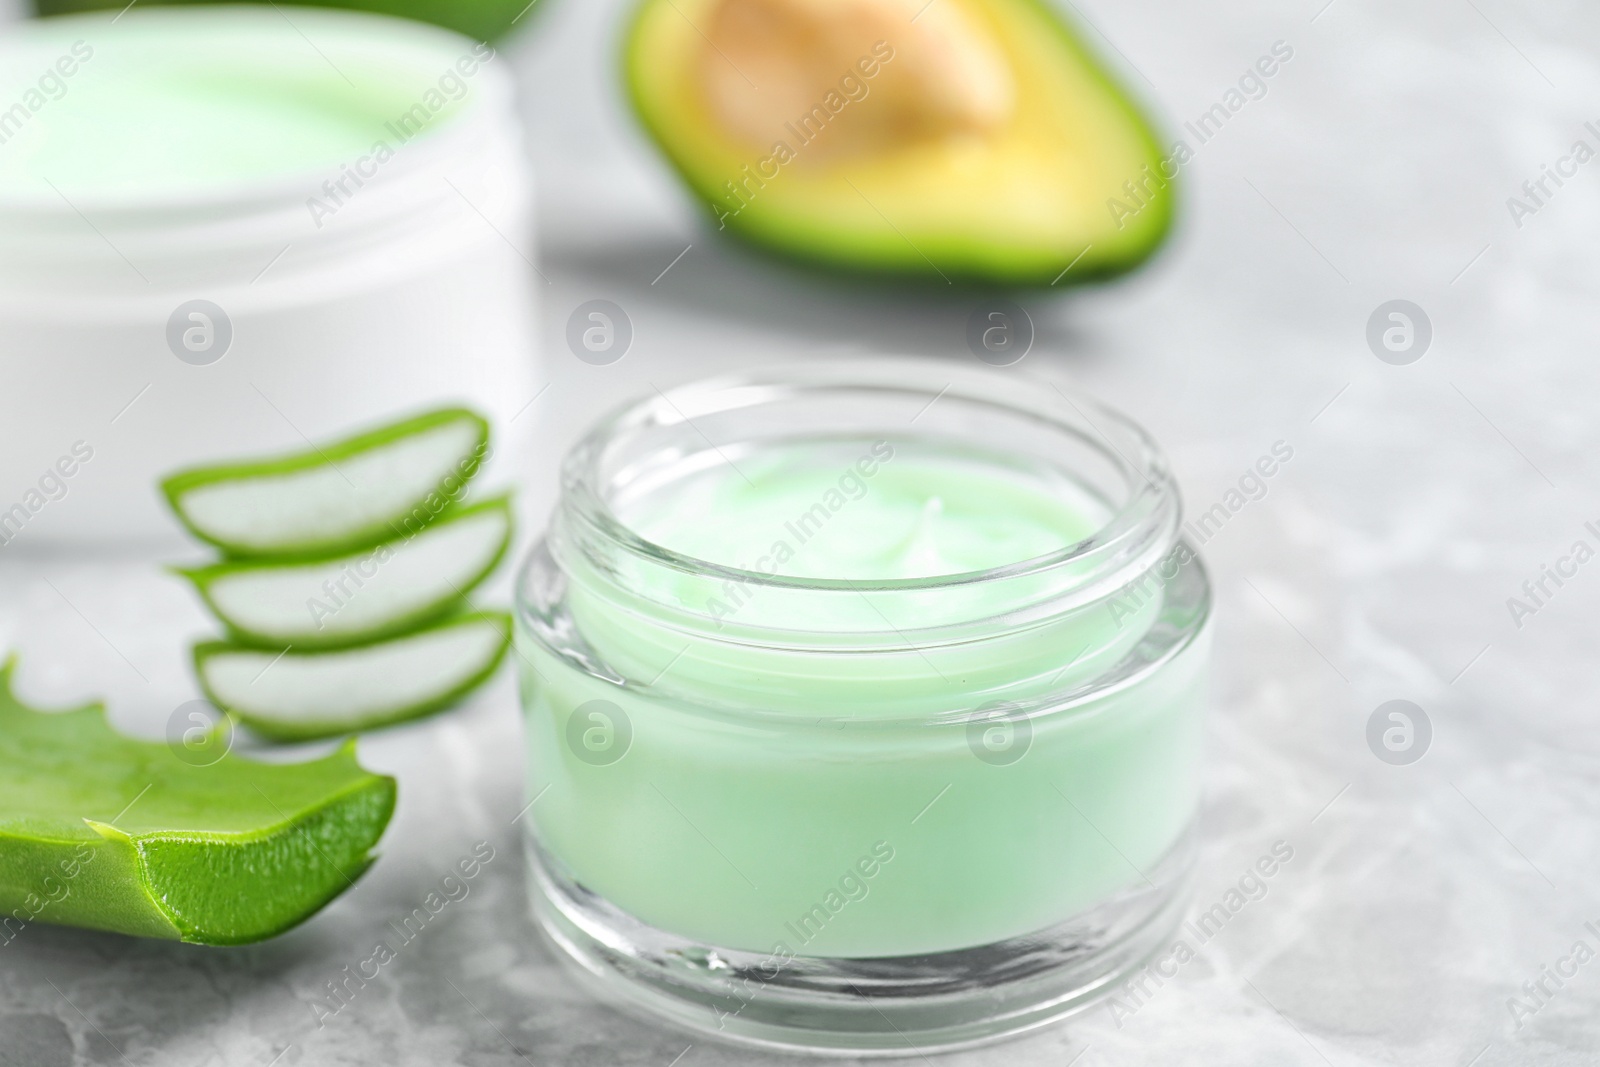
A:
<point x="1010" y="187"/>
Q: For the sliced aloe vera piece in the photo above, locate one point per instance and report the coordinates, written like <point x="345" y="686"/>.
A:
<point x="102" y="831"/>
<point x="294" y="696"/>
<point x="341" y="496"/>
<point x="361" y="596"/>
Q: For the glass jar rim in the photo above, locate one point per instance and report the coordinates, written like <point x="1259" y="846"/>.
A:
<point x="1150" y="515"/>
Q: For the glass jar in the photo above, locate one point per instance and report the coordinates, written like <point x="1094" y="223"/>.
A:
<point x="862" y="814"/>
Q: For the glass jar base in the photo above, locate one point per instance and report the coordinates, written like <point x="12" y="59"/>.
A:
<point x="894" y="1006"/>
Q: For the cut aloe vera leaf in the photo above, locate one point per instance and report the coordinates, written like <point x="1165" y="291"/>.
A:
<point x="295" y="696"/>
<point x="362" y="596"/>
<point x="337" y="497"/>
<point x="106" y="832"/>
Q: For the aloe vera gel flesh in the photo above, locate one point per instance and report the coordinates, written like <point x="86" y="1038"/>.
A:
<point x="820" y="683"/>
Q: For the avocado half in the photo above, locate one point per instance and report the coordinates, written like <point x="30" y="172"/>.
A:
<point x="953" y="139"/>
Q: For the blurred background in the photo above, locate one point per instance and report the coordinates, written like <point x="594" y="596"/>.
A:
<point x="1378" y="166"/>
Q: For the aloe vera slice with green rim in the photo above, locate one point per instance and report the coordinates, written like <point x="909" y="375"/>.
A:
<point x="341" y="496"/>
<point x="106" y="832"/>
<point x="361" y="596"/>
<point x="295" y="696"/>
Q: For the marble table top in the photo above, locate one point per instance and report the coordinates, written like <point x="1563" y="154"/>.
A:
<point x="1424" y="901"/>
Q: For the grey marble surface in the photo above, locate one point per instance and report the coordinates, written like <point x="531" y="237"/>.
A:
<point x="1420" y="898"/>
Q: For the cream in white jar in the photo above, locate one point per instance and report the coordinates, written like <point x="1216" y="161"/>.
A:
<point x="227" y="230"/>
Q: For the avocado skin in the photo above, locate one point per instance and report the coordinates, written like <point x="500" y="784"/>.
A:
<point x="970" y="273"/>
<point x="485" y="20"/>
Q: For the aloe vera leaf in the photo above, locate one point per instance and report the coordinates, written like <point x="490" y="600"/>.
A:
<point x="362" y="596"/>
<point x="295" y="696"/>
<point x="337" y="497"/>
<point x="103" y="831"/>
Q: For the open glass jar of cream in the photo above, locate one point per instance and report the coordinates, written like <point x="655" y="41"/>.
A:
<point x="864" y="705"/>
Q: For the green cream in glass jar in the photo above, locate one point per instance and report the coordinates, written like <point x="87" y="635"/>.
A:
<point x="864" y="705"/>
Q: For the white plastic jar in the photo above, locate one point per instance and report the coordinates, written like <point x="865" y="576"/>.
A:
<point x="228" y="230"/>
